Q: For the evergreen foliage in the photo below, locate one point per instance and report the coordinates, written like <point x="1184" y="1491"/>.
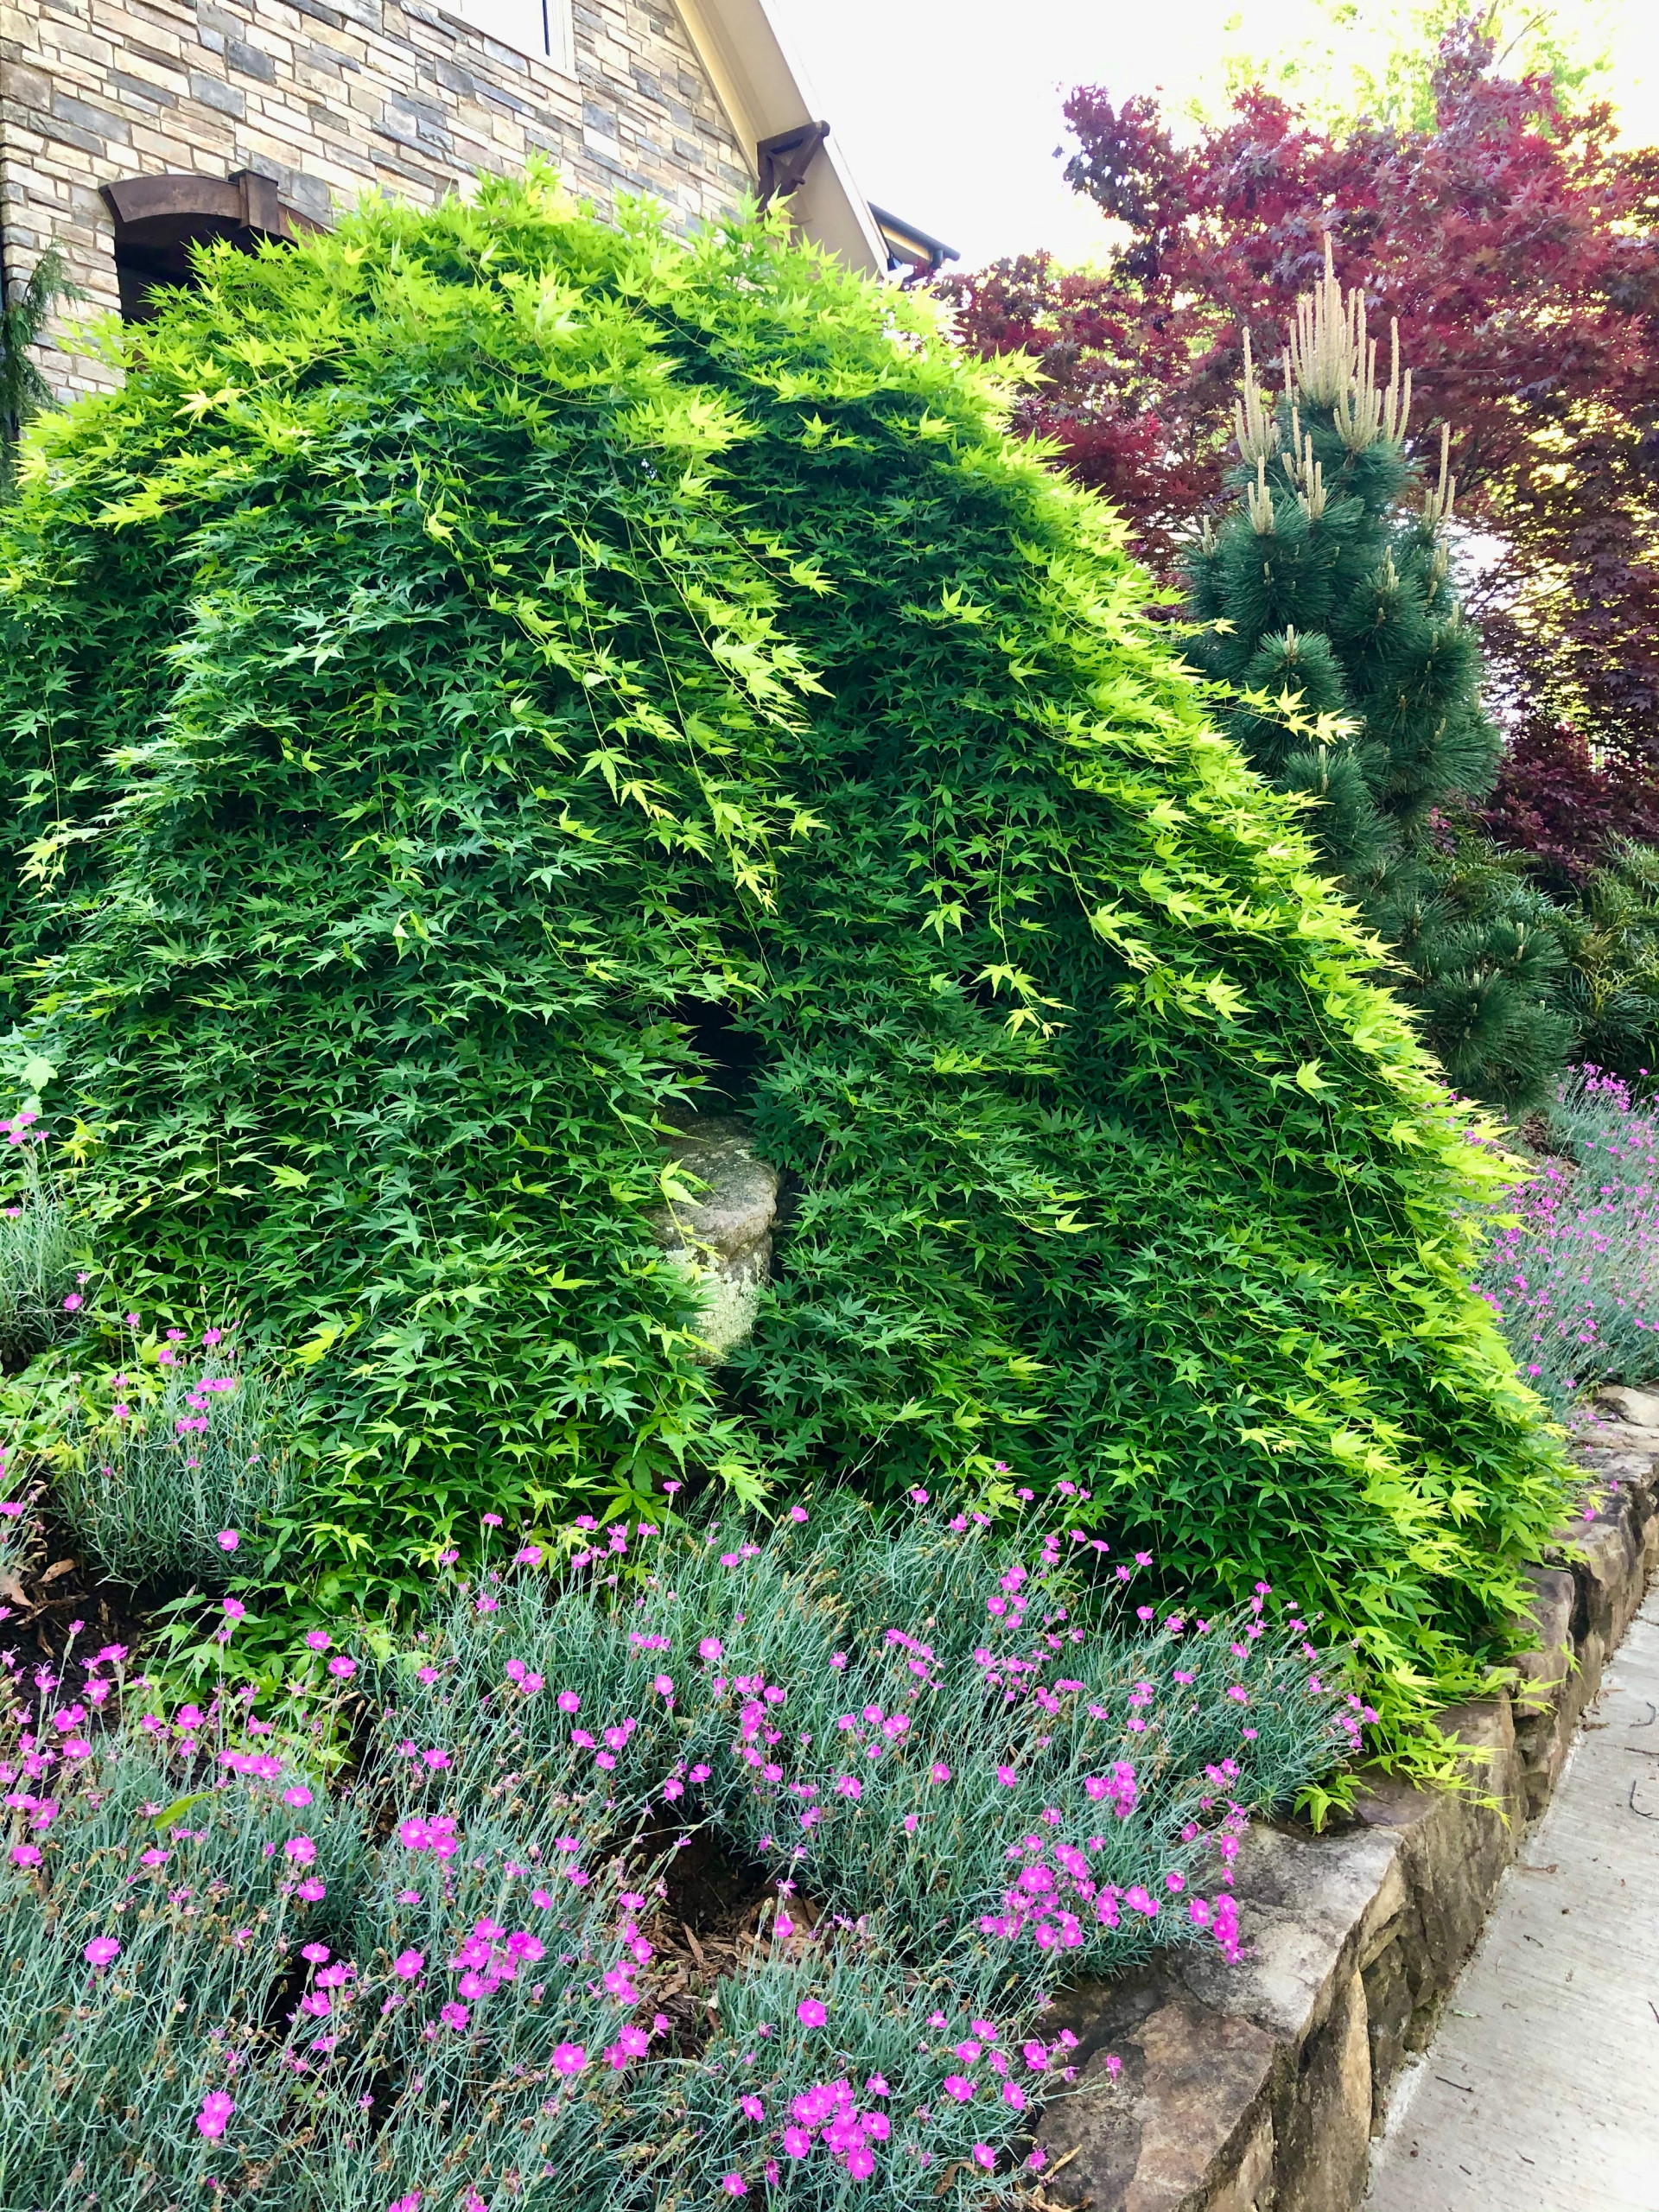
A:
<point x="1611" y="985"/>
<point x="1500" y="214"/>
<point x="487" y="679"/>
<point x="24" y="314"/>
<point x="1332" y="610"/>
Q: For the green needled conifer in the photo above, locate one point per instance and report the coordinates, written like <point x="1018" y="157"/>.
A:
<point x="1326" y="601"/>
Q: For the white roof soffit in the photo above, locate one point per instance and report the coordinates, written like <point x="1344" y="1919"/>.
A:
<point x="760" y="84"/>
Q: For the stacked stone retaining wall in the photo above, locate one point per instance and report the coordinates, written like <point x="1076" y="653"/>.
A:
<point x="1259" y="2087"/>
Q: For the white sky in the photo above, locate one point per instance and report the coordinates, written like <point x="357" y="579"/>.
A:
<point x="949" y="111"/>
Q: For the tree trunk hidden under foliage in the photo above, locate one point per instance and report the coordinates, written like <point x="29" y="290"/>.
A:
<point x="486" y="678"/>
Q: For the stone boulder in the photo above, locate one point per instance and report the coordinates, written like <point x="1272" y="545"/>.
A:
<point x="1257" y="2087"/>
<point x="722" y="1232"/>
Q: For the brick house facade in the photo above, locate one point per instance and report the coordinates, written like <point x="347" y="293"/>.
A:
<point x="129" y="126"/>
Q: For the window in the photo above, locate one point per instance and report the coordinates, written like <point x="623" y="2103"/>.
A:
<point x="539" y="26"/>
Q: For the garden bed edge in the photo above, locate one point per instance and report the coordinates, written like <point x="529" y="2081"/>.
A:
<point x="1259" y="2087"/>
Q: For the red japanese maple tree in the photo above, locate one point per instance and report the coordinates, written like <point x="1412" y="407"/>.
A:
<point x="1514" y="243"/>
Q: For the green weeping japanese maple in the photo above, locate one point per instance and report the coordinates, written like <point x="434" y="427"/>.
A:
<point x="489" y="681"/>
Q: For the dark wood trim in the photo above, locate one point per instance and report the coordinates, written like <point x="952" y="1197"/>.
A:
<point x="212" y="206"/>
<point x="784" y="160"/>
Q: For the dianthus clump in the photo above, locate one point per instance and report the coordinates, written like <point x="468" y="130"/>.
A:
<point x="469" y="1959"/>
<point x="488" y="681"/>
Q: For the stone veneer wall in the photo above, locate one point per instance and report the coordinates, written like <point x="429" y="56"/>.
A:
<point x="1257" y="2088"/>
<point x="327" y="97"/>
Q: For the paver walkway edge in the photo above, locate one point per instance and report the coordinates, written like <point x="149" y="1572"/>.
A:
<point x="1261" y="2087"/>
<point x="1538" y="2093"/>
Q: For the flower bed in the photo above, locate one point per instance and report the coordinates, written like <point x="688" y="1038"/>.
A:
<point x="1574" y="1278"/>
<point x="946" y="1766"/>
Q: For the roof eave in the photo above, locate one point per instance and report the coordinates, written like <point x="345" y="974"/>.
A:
<point x="758" y="80"/>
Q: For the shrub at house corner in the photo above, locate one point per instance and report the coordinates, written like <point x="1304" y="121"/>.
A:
<point x="485" y="675"/>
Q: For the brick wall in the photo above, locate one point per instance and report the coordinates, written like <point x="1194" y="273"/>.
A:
<point x="327" y="97"/>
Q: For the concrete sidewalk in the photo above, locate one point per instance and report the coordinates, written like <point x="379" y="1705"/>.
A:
<point x="1541" y="2092"/>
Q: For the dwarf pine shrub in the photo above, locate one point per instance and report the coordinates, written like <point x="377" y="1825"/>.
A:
<point x="1328" y="605"/>
<point x="458" y="1983"/>
<point x="487" y="681"/>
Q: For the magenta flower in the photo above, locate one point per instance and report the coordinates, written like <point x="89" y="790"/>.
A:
<point x="811" y="2013"/>
<point x="710" y="1648"/>
<point x="342" y="1667"/>
<point x="73" y="1303"/>
<point x="492" y="1520"/>
<point x="234" y="1609"/>
<point x="102" y="1951"/>
<point x="318" y="1639"/>
<point x="216" y="2109"/>
<point x="569" y="2058"/>
<point x="796" y="2142"/>
<point x="959" y="2086"/>
<point x="568" y="1701"/>
<point x="940" y="1772"/>
<point x="752" y="2109"/>
<point x="407" y="1965"/>
<point x="302" y="1850"/>
<point x="528" y="1555"/>
<point x="453" y="2016"/>
<point x="25" y="1854"/>
<point x="860" y="2162"/>
<point x="410" y="2203"/>
<point x="798" y="1513"/>
<point x="735" y="2184"/>
<point x="311" y="1892"/>
<point x="984" y="2156"/>
<point x="228" y="1539"/>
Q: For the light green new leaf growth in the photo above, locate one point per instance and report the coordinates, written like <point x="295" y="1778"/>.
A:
<point x="489" y="680"/>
